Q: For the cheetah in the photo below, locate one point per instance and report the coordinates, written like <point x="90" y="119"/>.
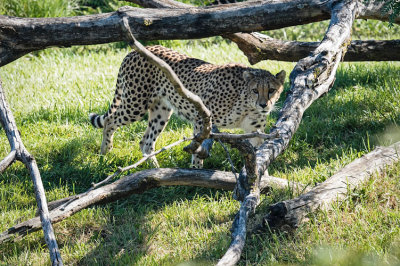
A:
<point x="236" y="95"/>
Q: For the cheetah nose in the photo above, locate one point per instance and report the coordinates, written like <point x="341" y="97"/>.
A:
<point x="263" y="105"/>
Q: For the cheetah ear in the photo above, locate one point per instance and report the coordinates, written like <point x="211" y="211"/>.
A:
<point x="281" y="76"/>
<point x="247" y="75"/>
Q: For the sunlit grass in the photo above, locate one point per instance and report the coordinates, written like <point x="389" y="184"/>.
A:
<point x="51" y="95"/>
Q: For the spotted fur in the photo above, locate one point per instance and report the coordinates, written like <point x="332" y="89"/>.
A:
<point x="237" y="96"/>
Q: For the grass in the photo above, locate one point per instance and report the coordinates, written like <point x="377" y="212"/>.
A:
<point x="52" y="92"/>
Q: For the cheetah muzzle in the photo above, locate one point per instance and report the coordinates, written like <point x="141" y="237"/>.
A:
<point x="237" y="96"/>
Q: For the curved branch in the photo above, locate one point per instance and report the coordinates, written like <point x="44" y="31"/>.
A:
<point x="192" y="98"/>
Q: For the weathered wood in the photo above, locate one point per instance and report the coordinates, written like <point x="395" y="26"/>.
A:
<point x="138" y="183"/>
<point x="19" y="152"/>
<point x="19" y="36"/>
<point x="334" y="189"/>
<point x="311" y="77"/>
<point x="258" y="47"/>
<point x="8" y="160"/>
<point x="232" y="255"/>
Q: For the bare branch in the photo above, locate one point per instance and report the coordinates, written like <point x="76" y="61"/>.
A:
<point x="8" y="160"/>
<point x="258" y="47"/>
<point x="136" y="183"/>
<point x="232" y="255"/>
<point x="142" y="160"/>
<point x="20" y="153"/>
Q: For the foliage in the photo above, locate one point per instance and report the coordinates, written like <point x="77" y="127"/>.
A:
<point x="38" y="8"/>
<point x="391" y="7"/>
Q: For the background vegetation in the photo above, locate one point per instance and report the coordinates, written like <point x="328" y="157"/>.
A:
<point x="52" y="92"/>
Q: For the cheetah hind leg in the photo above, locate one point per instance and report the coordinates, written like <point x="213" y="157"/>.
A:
<point x="159" y="114"/>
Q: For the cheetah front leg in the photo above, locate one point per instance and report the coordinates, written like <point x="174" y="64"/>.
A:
<point x="196" y="161"/>
<point x="159" y="114"/>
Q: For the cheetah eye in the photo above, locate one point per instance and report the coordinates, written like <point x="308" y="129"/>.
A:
<point x="271" y="92"/>
<point x="255" y="91"/>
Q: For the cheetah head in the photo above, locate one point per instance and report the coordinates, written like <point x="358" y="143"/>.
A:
<point x="263" y="88"/>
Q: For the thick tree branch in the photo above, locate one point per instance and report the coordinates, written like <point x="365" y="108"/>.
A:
<point x="336" y="188"/>
<point x="258" y="47"/>
<point x="19" y="152"/>
<point x="311" y="77"/>
<point x="19" y="36"/>
<point x="138" y="183"/>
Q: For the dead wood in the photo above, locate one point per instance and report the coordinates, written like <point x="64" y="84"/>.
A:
<point x="138" y="183"/>
<point x="335" y="189"/>
<point x="310" y="78"/>
<point x="258" y="47"/>
<point x="19" y="152"/>
<point x="19" y="36"/>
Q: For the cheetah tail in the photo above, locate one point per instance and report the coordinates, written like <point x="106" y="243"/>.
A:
<point x="96" y="120"/>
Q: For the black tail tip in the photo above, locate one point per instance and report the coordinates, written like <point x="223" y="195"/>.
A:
<point x="95" y="120"/>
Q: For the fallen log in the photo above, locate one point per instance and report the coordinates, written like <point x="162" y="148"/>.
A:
<point x="19" y="36"/>
<point x="335" y="189"/>
<point x="138" y="183"/>
<point x="258" y="47"/>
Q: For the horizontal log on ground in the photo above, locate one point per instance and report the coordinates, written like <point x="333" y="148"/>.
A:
<point x="137" y="183"/>
<point x="19" y="36"/>
<point x="258" y="47"/>
<point x="336" y="188"/>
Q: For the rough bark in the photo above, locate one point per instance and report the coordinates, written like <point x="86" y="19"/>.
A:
<point x="336" y="188"/>
<point x="137" y="183"/>
<point x="19" y="36"/>
<point x="311" y="77"/>
<point x="258" y="47"/>
<point x="19" y="152"/>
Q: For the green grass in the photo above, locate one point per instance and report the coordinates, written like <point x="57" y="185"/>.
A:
<point x="51" y="94"/>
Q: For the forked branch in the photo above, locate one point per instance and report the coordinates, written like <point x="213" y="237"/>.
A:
<point x="19" y="152"/>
